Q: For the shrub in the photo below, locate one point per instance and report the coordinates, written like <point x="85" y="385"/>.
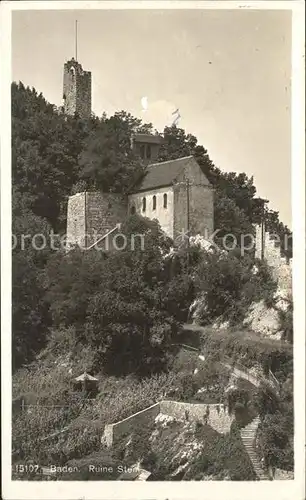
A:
<point x="221" y="456"/>
<point x="187" y="387"/>
<point x="286" y="323"/>
<point x="276" y="441"/>
<point x="229" y="285"/>
<point x="127" y="306"/>
<point x="250" y="348"/>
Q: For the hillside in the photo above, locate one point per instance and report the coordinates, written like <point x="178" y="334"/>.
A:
<point x="120" y="316"/>
<point x="48" y="382"/>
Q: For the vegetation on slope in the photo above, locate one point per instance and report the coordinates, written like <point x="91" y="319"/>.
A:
<point x="118" y="315"/>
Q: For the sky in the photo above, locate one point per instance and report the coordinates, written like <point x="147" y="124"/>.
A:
<point x="228" y="72"/>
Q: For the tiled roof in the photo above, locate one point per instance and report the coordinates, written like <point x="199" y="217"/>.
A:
<point x="165" y="173"/>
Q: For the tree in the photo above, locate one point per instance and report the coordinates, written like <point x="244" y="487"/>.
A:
<point x="30" y="318"/>
<point x="45" y="150"/>
<point x="107" y="161"/>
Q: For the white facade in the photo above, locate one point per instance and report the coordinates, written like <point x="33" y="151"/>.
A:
<point x="158" y="205"/>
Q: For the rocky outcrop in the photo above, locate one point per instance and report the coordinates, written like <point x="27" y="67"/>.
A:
<point x="267" y="320"/>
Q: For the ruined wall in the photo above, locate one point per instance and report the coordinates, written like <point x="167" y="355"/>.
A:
<point x="218" y="418"/>
<point x="163" y="215"/>
<point x="281" y="268"/>
<point x="83" y="95"/>
<point x="93" y="214"/>
<point x="75" y="234"/>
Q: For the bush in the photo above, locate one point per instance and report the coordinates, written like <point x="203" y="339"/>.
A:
<point x="286" y="323"/>
<point x="127" y="306"/>
<point x="187" y="387"/>
<point x="230" y="284"/>
<point x="222" y="456"/>
<point x="249" y="348"/>
<point x="276" y="441"/>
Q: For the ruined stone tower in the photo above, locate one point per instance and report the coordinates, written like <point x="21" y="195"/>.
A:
<point x="76" y="89"/>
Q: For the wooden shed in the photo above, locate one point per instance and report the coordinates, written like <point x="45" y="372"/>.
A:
<point x="87" y="384"/>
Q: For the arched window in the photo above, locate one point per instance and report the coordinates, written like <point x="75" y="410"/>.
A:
<point x="133" y="209"/>
<point x="165" y="200"/>
<point x="154" y="202"/>
<point x="143" y="204"/>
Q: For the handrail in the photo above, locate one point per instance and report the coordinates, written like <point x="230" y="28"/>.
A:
<point x="271" y="380"/>
<point x="118" y="226"/>
<point x="254" y="379"/>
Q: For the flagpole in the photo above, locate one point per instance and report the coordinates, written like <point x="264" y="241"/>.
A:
<point x="76" y="40"/>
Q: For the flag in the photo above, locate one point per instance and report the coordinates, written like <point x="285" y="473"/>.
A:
<point x="178" y="116"/>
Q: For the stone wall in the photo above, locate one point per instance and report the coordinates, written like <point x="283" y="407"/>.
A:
<point x="76" y="220"/>
<point x="93" y="214"/>
<point x="163" y="215"/>
<point x="114" y="432"/>
<point x="281" y="268"/>
<point x="201" y="208"/>
<point x="192" y="188"/>
<point x="217" y="417"/>
<point x="83" y="94"/>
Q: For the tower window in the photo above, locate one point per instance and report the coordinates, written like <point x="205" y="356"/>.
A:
<point x="154" y="202"/>
<point x="133" y="209"/>
<point x="165" y="200"/>
<point x="148" y="151"/>
<point x="143" y="204"/>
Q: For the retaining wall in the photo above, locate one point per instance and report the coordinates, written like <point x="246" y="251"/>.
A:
<point x="217" y="417"/>
<point x="114" y="432"/>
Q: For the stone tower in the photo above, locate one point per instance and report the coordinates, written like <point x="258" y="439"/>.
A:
<point x="76" y="89"/>
<point x="91" y="215"/>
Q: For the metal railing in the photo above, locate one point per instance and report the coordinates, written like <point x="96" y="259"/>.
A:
<point x="256" y="380"/>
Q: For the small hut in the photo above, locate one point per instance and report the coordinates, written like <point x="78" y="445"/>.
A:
<point x="87" y="384"/>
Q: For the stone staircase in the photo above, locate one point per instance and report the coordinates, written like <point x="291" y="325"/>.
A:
<point x="248" y="434"/>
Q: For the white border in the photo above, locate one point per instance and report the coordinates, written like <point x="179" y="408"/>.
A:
<point x="281" y="490"/>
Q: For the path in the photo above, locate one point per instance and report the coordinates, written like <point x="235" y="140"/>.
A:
<point x="241" y="371"/>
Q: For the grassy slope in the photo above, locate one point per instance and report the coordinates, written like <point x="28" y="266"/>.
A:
<point x="48" y="381"/>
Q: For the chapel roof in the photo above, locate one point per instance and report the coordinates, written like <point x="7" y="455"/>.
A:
<point x="164" y="173"/>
